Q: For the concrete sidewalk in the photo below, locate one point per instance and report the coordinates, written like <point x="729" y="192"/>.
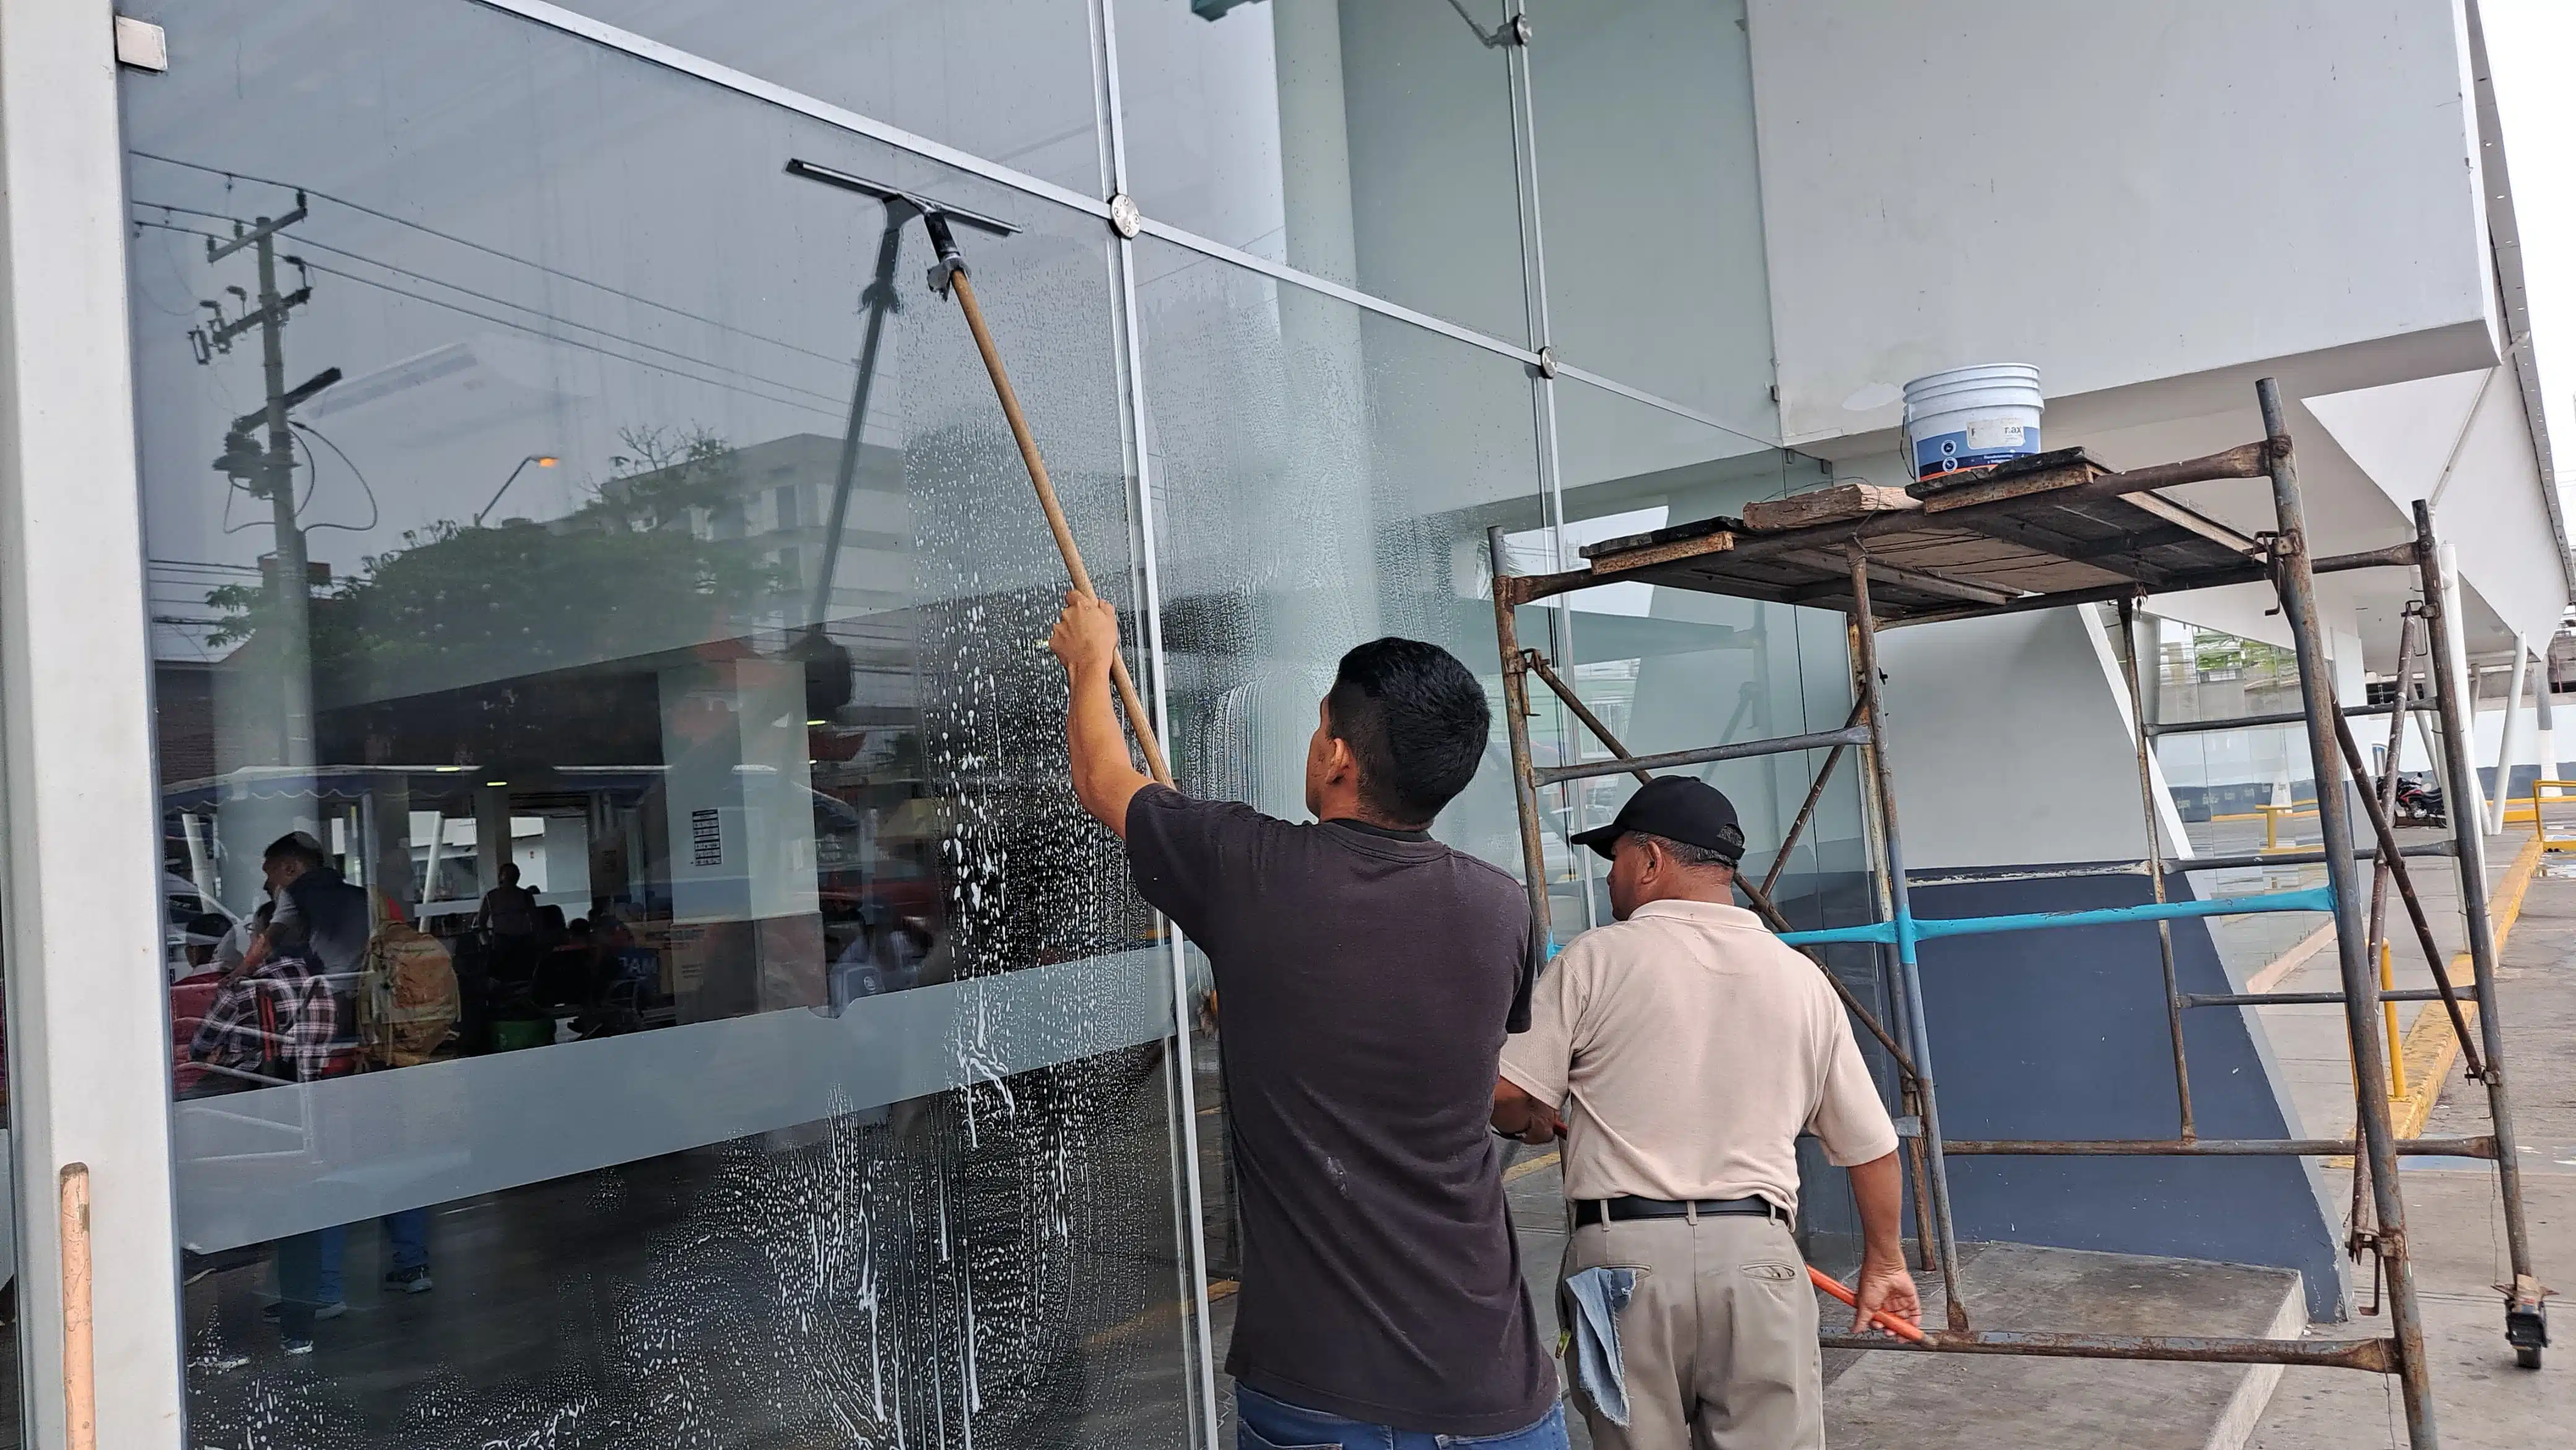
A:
<point x="2457" y="1229"/>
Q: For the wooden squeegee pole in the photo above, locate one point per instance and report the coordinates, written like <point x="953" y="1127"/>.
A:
<point x="1137" y="719"/>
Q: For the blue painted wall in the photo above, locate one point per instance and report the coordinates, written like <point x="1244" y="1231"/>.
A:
<point x="2061" y="1034"/>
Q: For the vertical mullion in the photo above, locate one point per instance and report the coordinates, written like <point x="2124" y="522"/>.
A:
<point x="1543" y="409"/>
<point x="1149" y="609"/>
<point x="88" y="1016"/>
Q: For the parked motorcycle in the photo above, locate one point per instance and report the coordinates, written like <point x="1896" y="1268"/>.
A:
<point x="2419" y="800"/>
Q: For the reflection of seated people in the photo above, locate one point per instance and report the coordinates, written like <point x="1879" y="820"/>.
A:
<point x="317" y="906"/>
<point x="209" y="967"/>
<point x="568" y="976"/>
<point x="884" y="956"/>
<point x="271" y="1020"/>
<point x="206" y="934"/>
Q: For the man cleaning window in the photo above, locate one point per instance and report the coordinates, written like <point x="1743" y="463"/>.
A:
<point x="1368" y="975"/>
<point x="1694" y="1047"/>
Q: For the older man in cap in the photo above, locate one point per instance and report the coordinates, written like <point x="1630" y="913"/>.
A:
<point x="1680" y="1052"/>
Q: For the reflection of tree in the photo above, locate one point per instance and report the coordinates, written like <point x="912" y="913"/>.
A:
<point x="645" y="565"/>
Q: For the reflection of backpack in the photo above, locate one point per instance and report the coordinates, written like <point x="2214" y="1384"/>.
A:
<point x="407" y="999"/>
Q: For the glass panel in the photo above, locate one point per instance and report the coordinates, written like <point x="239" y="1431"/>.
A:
<point x="1673" y="669"/>
<point x="1013" y="81"/>
<point x="693" y="954"/>
<point x="2250" y="789"/>
<point x="1322" y="476"/>
<point x="1360" y="141"/>
<point x="1652" y="202"/>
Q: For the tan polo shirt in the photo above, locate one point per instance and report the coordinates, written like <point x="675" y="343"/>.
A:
<point x="1694" y="1047"/>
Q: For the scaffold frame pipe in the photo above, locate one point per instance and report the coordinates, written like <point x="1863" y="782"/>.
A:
<point x="2525" y="1300"/>
<point x="2296" y="584"/>
<point x="2145" y="742"/>
<point x="1707" y="755"/>
<point x="1933" y="928"/>
<point x="1890" y="850"/>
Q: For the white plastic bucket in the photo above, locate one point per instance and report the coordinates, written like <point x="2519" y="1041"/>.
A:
<point x="1972" y="417"/>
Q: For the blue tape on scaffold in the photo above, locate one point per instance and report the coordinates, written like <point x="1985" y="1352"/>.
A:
<point x="2318" y="898"/>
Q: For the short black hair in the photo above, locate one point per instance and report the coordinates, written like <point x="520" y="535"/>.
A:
<point x="295" y="846"/>
<point x="1690" y="855"/>
<point x="1416" y="720"/>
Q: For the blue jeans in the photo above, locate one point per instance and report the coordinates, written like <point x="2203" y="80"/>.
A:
<point x="406" y="1241"/>
<point x="1262" y="1423"/>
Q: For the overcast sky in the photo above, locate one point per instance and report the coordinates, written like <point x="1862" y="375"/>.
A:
<point x="2532" y="45"/>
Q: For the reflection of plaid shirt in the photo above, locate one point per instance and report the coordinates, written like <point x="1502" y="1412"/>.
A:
<point x="278" y="1021"/>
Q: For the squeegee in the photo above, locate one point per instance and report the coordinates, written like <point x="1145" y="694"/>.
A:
<point x="948" y="278"/>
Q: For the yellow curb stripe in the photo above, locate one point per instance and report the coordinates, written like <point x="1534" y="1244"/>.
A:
<point x="1218" y="1291"/>
<point x="1524" y="1169"/>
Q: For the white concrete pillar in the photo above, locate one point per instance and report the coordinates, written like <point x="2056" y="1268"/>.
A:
<point x="2544" y="733"/>
<point x="2506" y="748"/>
<point x="491" y="835"/>
<point x="2463" y="683"/>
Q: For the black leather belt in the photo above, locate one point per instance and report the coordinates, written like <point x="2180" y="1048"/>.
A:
<point x="1589" y="1211"/>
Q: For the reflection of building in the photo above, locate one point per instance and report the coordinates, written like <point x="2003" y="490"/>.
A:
<point x="920" y="1169"/>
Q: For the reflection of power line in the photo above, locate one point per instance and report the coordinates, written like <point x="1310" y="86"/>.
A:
<point x="310" y="244"/>
<point x="573" y="277"/>
<point x="203" y="565"/>
<point x="732" y="384"/>
<point x="375" y="511"/>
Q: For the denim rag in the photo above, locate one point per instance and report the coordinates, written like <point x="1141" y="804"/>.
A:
<point x="1597" y="1296"/>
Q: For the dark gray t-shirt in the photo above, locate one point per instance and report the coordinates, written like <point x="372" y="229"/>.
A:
<point x="1365" y="980"/>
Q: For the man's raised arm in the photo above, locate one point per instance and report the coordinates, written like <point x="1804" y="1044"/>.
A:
<point x="1105" y="778"/>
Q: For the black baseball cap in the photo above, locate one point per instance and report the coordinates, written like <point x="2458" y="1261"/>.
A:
<point x="1678" y="808"/>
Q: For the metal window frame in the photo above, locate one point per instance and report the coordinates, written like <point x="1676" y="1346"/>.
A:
<point x="1199" y="1333"/>
<point x="79" y="896"/>
<point x="573" y="23"/>
<point x="77" y="772"/>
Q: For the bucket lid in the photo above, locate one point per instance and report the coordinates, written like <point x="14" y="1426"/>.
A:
<point x="1981" y="373"/>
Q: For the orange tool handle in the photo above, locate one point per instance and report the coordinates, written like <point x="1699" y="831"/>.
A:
<point x="1886" y="1321"/>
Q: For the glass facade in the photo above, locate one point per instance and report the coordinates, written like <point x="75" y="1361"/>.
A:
<point x="597" y="606"/>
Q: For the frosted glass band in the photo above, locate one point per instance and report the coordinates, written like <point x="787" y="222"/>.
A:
<point x="261" y="1165"/>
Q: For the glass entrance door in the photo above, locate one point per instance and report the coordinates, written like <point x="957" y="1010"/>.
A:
<point x="638" y="973"/>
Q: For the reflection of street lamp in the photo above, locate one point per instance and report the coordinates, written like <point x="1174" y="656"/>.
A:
<point x="541" y="460"/>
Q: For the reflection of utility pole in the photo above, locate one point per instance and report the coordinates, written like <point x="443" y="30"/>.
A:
<point x="270" y="471"/>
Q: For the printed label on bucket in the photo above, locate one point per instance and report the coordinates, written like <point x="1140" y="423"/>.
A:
<point x="1982" y="443"/>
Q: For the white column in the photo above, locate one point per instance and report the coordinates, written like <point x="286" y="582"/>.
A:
<point x="2462" y="680"/>
<point x="89" y="1042"/>
<point x="2544" y="734"/>
<point x="2506" y="748"/>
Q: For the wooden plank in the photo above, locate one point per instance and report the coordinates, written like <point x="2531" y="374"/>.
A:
<point x="1920" y="581"/>
<point x="2198" y="523"/>
<point x="2003" y="483"/>
<point x="1830" y="505"/>
<point x="1607" y="565"/>
<point x="1670" y="534"/>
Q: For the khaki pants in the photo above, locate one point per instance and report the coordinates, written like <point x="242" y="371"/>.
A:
<point x="1718" y="1340"/>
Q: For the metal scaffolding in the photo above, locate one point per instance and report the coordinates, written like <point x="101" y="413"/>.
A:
<point x="2040" y="534"/>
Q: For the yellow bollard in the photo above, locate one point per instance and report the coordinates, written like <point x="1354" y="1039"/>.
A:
<point x="2396" y="1049"/>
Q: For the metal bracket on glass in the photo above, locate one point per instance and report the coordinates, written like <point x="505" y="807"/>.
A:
<point x="1514" y="31"/>
<point x="1546" y="365"/>
<point x="1124" y="218"/>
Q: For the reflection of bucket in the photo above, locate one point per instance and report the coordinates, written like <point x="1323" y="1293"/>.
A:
<point x="1972" y="417"/>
